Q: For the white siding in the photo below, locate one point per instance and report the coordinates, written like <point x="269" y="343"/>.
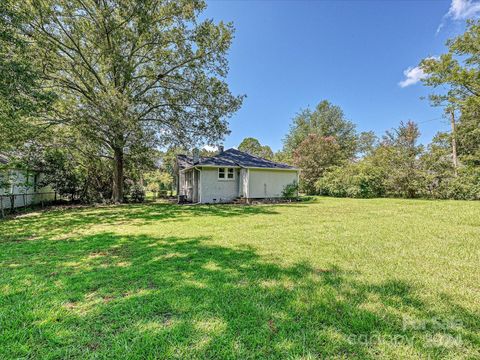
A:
<point x="213" y="190"/>
<point x="269" y="183"/>
<point x="243" y="183"/>
<point x="24" y="189"/>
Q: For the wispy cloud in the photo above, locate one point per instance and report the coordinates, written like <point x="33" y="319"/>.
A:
<point x="412" y="76"/>
<point x="461" y="10"/>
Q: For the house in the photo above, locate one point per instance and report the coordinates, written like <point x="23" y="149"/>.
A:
<point x="230" y="175"/>
<point x="19" y="187"/>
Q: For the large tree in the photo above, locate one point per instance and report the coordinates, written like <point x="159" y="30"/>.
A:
<point x="252" y="146"/>
<point x="314" y="156"/>
<point x="456" y="78"/>
<point x="326" y="120"/>
<point x="129" y="72"/>
<point x="399" y="154"/>
<point x="468" y="136"/>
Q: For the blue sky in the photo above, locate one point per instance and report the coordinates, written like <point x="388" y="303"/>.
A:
<point x="288" y="55"/>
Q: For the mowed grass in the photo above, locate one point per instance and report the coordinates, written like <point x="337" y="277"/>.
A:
<point x="330" y="278"/>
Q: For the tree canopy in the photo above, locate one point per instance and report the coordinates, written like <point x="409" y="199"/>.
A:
<point x="24" y="102"/>
<point x="326" y="120"/>
<point x="314" y="156"/>
<point x="252" y="146"/>
<point x="130" y="73"/>
<point x="455" y="78"/>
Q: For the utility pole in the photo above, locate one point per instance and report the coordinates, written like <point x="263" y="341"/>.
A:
<point x="454" y="142"/>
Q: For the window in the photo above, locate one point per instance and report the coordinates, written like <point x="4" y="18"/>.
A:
<point x="221" y="173"/>
<point x="226" y="173"/>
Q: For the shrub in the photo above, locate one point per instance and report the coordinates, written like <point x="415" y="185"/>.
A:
<point x="359" y="180"/>
<point x="62" y="173"/>
<point x="290" y="190"/>
<point x="136" y="194"/>
<point x="465" y="186"/>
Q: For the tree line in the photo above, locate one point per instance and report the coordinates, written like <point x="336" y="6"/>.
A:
<point x="336" y="160"/>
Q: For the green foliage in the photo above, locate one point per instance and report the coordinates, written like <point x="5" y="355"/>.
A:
<point x="326" y="120"/>
<point x="357" y="180"/>
<point x="468" y="136"/>
<point x="399" y="167"/>
<point x="457" y="73"/>
<point x="399" y="155"/>
<point x="24" y="103"/>
<point x="136" y="193"/>
<point x="98" y="176"/>
<point x="392" y="169"/>
<point x="283" y="156"/>
<point x="131" y="73"/>
<point x="314" y="156"/>
<point x="158" y="180"/>
<point x="61" y="172"/>
<point x="437" y="165"/>
<point x="366" y="143"/>
<point x="253" y="147"/>
<point x="290" y="191"/>
<point x="464" y="186"/>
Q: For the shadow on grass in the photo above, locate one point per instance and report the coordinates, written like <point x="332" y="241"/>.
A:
<point x="56" y="222"/>
<point x="112" y="296"/>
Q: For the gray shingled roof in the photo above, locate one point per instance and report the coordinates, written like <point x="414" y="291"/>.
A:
<point x="184" y="161"/>
<point x="232" y="157"/>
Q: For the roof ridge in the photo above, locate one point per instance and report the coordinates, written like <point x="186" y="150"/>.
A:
<point x="238" y="158"/>
<point x="255" y="156"/>
<point x="258" y="157"/>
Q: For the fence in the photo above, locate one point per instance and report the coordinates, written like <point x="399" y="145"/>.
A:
<point x="12" y="202"/>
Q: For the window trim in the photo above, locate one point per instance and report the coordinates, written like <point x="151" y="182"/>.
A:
<point x="223" y="173"/>
<point x="226" y="173"/>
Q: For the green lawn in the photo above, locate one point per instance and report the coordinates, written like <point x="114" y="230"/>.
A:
<point x="332" y="278"/>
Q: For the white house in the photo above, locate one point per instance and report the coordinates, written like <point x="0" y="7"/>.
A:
<point x="20" y="187"/>
<point x="230" y="175"/>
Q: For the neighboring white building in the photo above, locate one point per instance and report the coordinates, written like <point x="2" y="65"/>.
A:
<point x="230" y="175"/>
<point x="21" y="186"/>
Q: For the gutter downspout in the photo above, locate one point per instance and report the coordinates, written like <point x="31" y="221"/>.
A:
<point x="199" y="185"/>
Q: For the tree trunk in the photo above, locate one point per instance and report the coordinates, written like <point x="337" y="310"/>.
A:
<point x="117" y="193"/>
<point x="454" y="143"/>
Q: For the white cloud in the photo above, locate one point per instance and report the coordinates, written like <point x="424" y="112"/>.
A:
<point x="412" y="76"/>
<point x="461" y="10"/>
